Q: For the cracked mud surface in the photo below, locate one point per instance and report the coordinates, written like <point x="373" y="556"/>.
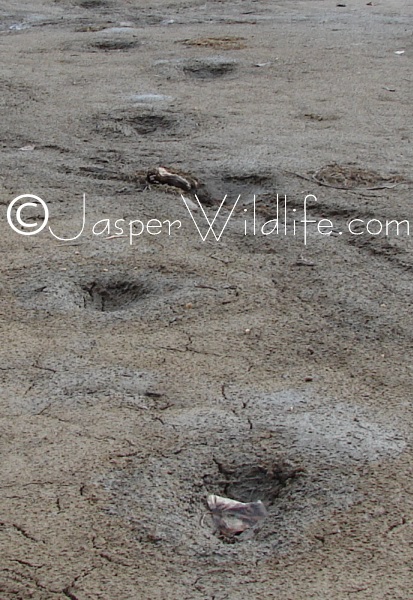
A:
<point x="138" y="378"/>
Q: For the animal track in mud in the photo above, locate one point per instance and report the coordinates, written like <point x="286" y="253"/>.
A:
<point x="105" y="43"/>
<point x="250" y="482"/>
<point x="93" y="4"/>
<point x="103" y="294"/>
<point x="209" y="68"/>
<point x="351" y="177"/>
<point x="114" y="44"/>
<point x="145" y="122"/>
<point x="301" y="460"/>
<point x="112" y="295"/>
<point x="124" y="295"/>
<point x="148" y="123"/>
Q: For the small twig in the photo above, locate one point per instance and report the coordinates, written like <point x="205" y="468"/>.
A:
<point x="37" y="366"/>
<point x="206" y="287"/>
<point x="223" y="391"/>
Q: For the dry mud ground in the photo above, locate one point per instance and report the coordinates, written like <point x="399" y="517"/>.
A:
<point x="139" y="377"/>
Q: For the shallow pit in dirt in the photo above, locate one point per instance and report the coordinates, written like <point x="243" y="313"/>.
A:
<point x="302" y="459"/>
<point x="104" y="42"/>
<point x="212" y="68"/>
<point x="114" y="44"/>
<point x="251" y="482"/>
<point x="352" y="176"/>
<point x="118" y="295"/>
<point x="101" y="294"/>
<point x="112" y="295"/>
<point x="141" y="121"/>
<point x="202" y="69"/>
<point x="93" y="4"/>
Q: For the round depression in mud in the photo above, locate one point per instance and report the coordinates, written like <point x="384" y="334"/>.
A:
<point x="280" y="469"/>
<point x="112" y="295"/>
<point x="251" y="482"/>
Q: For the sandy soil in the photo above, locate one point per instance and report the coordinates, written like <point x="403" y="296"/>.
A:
<point x="140" y="375"/>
